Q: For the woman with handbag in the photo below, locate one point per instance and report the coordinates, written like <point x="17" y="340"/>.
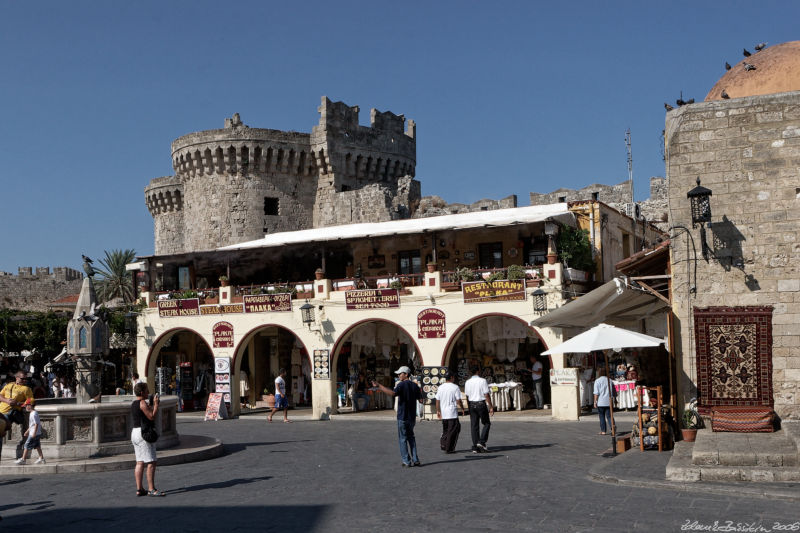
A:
<point x="143" y="437"/>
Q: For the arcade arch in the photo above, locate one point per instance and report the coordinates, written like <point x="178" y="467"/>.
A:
<point x="376" y="348"/>
<point x="504" y="346"/>
<point x="182" y="363"/>
<point x="260" y="355"/>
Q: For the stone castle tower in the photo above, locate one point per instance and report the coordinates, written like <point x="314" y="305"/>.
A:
<point x="238" y="183"/>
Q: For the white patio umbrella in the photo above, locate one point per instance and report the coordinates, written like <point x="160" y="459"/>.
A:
<point x="606" y="337"/>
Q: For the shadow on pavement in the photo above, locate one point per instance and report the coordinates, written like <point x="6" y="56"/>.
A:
<point x="219" y="485"/>
<point x="15" y="505"/>
<point x="242" y="446"/>
<point x="13" y="481"/>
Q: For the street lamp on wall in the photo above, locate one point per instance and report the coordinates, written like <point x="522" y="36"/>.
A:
<point x="700" y="198"/>
<point x="307" y="314"/>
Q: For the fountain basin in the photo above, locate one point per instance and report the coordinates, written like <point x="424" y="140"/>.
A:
<point x="82" y="431"/>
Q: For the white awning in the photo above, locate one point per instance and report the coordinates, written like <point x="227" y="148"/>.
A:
<point x="496" y="218"/>
<point x="615" y="301"/>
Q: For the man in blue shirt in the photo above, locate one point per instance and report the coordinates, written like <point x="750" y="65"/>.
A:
<point x="408" y="394"/>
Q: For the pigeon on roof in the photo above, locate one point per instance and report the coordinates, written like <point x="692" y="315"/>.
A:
<point x="749" y="67"/>
<point x="727" y="66"/>
<point x="668" y="107"/>
<point x="760" y="46"/>
<point x="745" y="52"/>
<point x="725" y="95"/>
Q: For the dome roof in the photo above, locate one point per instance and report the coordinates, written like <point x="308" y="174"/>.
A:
<point x="777" y="71"/>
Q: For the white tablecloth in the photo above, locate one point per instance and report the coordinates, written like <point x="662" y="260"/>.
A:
<point x="626" y="394"/>
<point x="503" y="394"/>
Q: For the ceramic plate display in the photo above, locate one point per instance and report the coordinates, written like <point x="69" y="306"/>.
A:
<point x="426" y="380"/>
<point x="434" y="381"/>
<point x="426" y="388"/>
<point x="434" y="371"/>
<point x="426" y="371"/>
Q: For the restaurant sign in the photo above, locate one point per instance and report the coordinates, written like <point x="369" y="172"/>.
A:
<point x="502" y="290"/>
<point x="260" y="303"/>
<point x="223" y="335"/>
<point x="188" y="307"/>
<point x="221" y="309"/>
<point x="371" y="299"/>
<point x="563" y="376"/>
<point x="431" y="324"/>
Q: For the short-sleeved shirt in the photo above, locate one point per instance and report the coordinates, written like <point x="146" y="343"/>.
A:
<point x="12" y="391"/>
<point x="407" y="393"/>
<point x="476" y="388"/>
<point x="280" y="386"/>
<point x="448" y="397"/>
<point x="536" y="371"/>
<point x="601" y="390"/>
<point x="34" y="419"/>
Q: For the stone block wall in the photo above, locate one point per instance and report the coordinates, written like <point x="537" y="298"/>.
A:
<point x="29" y="291"/>
<point x="613" y="195"/>
<point x="431" y="206"/>
<point x="747" y="151"/>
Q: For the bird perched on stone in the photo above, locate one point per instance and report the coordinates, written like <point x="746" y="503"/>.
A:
<point x="727" y="66"/>
<point x="760" y="46"/>
<point x="749" y="66"/>
<point x="680" y="102"/>
<point x="87" y="266"/>
<point x="745" y="52"/>
<point x="690" y="101"/>
<point x="668" y="107"/>
<point x="724" y="95"/>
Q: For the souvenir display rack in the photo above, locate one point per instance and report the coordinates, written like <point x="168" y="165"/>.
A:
<point x="652" y="427"/>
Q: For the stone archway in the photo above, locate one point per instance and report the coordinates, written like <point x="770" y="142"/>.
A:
<point x="181" y="362"/>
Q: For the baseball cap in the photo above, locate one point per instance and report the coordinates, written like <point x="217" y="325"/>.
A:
<point x="403" y="370"/>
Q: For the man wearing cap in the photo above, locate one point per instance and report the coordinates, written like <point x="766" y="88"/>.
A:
<point x="448" y="404"/>
<point x="480" y="408"/>
<point x="12" y="396"/>
<point x="408" y="394"/>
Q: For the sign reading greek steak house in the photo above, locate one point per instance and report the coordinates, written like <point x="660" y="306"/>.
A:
<point x="371" y="299"/>
<point x="260" y="303"/>
<point x="502" y="290"/>
<point x="223" y="334"/>
<point x="430" y="324"/>
<point x="189" y="307"/>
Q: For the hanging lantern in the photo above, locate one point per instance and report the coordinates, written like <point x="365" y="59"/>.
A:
<point x="307" y="314"/>
<point x="701" y="204"/>
<point x="539" y="301"/>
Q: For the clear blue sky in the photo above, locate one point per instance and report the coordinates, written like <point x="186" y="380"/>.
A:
<point x="508" y="97"/>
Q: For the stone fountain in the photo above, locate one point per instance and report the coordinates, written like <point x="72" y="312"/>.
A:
<point x="89" y="425"/>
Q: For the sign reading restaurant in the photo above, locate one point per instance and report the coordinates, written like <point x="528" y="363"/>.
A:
<point x="260" y="303"/>
<point x="502" y="290"/>
<point x="188" y="307"/>
<point x="223" y="335"/>
<point x="431" y="324"/>
<point x="371" y="299"/>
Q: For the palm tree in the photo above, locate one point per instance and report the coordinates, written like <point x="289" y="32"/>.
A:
<point x="114" y="280"/>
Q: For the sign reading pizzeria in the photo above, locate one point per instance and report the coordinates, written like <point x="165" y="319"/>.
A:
<point x="430" y="324"/>
<point x="371" y="299"/>
<point x="189" y="307"/>
<point x="260" y="303"/>
<point x="223" y="335"/>
<point x="502" y="290"/>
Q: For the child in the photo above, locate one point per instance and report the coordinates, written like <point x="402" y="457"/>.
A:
<point x="33" y="433"/>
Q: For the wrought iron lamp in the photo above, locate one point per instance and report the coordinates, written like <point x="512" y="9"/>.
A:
<point x="539" y="301"/>
<point x="307" y="314"/>
<point x="701" y="213"/>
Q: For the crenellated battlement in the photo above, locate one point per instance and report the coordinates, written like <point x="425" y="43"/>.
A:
<point x="237" y="183"/>
<point x="164" y="195"/>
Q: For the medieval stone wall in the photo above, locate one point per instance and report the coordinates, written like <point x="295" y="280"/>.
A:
<point x="31" y="290"/>
<point x="237" y="183"/>
<point x="432" y="206"/>
<point x="747" y="151"/>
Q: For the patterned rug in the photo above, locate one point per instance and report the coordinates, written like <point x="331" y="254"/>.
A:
<point x="734" y="356"/>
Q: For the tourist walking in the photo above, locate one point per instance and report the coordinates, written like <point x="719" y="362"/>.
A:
<point x="12" y="397"/>
<point x="408" y="395"/>
<point x="602" y="400"/>
<point x="448" y="404"/>
<point x="480" y="409"/>
<point x="142" y="414"/>
<point x="281" y="402"/>
<point x="33" y="434"/>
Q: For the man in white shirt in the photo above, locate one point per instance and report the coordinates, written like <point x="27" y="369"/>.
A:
<point x="448" y="404"/>
<point x="480" y="408"/>
<point x="281" y="402"/>
<point x="536" y="376"/>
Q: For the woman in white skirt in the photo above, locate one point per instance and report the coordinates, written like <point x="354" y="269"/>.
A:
<point x="145" y="451"/>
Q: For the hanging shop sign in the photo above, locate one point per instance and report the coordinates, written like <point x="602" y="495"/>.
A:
<point x="221" y="309"/>
<point x="371" y="299"/>
<point x="223" y="335"/>
<point x="260" y="303"/>
<point x="563" y="376"/>
<point x="322" y="364"/>
<point x="502" y="290"/>
<point x="431" y="324"/>
<point x="188" y="307"/>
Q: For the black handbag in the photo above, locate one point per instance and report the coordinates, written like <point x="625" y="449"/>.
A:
<point x="149" y="432"/>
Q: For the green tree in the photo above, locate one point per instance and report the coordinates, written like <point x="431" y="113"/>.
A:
<point x="574" y="248"/>
<point x="114" y="281"/>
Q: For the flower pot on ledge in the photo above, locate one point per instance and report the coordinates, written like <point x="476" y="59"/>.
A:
<point x="269" y="399"/>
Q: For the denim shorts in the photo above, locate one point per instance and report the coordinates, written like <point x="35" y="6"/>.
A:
<point x="32" y="443"/>
<point x="281" y="402"/>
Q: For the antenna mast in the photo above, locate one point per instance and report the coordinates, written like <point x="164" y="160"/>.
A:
<point x="630" y="160"/>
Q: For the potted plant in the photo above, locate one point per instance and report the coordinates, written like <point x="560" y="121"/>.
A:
<point x="689" y="425"/>
<point x="268" y="398"/>
<point x="431" y="266"/>
<point x="223" y="281"/>
<point x="397" y="284"/>
<point x="515" y="272"/>
<point x="319" y="274"/>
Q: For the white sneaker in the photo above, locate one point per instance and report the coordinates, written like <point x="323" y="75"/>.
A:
<point x="20" y="461"/>
<point x="40" y="461"/>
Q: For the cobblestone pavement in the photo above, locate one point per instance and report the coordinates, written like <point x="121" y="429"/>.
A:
<point x="345" y="475"/>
